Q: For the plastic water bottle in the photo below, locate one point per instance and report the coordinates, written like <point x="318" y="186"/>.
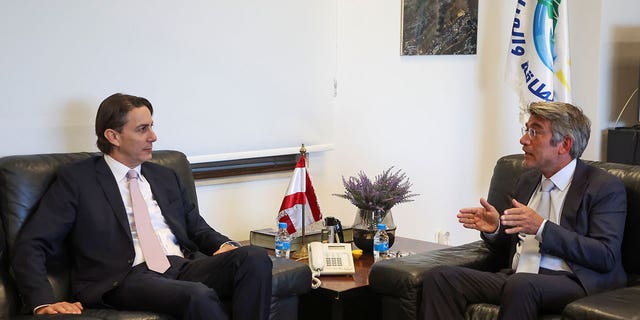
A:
<point x="380" y="243"/>
<point x="283" y="241"/>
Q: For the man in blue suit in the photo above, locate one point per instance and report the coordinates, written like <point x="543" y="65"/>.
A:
<point x="559" y="246"/>
<point x="90" y="206"/>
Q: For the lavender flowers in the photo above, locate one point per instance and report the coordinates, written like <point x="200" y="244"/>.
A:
<point x="388" y="189"/>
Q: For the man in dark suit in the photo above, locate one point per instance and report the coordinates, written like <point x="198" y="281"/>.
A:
<point x="559" y="246"/>
<point x="91" y="207"/>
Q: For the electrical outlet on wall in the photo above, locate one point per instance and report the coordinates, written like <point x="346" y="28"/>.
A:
<point x="442" y="236"/>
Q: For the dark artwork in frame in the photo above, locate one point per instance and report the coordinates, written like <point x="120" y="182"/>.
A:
<point x="444" y="27"/>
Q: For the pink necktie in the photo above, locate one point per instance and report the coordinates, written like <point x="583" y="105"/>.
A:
<point x="151" y="249"/>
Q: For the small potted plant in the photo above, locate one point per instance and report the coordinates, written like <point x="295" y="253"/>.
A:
<point x="374" y="200"/>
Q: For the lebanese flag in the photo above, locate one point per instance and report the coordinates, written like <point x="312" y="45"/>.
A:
<point x="299" y="193"/>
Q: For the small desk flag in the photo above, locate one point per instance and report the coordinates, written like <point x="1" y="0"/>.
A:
<point x="299" y="193"/>
<point x="538" y="62"/>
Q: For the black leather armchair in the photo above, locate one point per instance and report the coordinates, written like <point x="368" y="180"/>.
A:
<point x="23" y="181"/>
<point x="399" y="281"/>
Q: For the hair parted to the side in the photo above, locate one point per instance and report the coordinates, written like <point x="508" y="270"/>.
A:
<point x="112" y="114"/>
<point x="566" y="120"/>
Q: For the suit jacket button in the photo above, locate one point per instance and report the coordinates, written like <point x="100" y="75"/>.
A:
<point x="130" y="261"/>
<point x="115" y="283"/>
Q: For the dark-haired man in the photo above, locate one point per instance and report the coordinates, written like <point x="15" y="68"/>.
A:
<point x="167" y="259"/>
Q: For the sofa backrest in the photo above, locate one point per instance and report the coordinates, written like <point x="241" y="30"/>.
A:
<point x="509" y="168"/>
<point x="23" y="181"/>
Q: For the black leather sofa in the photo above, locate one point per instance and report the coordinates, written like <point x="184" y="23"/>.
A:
<point x="399" y="281"/>
<point x="24" y="179"/>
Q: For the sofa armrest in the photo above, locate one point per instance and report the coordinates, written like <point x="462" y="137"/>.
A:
<point x="399" y="281"/>
<point x="611" y="305"/>
<point x="395" y="276"/>
<point x="290" y="278"/>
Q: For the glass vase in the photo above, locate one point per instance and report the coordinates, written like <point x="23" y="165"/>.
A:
<point x="365" y="224"/>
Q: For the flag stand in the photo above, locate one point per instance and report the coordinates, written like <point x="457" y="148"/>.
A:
<point x="302" y="253"/>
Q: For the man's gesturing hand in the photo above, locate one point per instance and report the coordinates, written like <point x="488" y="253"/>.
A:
<point x="483" y="218"/>
<point x="521" y="218"/>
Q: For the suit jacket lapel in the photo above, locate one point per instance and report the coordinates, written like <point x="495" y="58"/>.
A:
<point x="111" y="191"/>
<point x="527" y="187"/>
<point x="572" y="200"/>
<point x="160" y="195"/>
<point x="574" y="196"/>
<point x="163" y="193"/>
<point x="524" y="189"/>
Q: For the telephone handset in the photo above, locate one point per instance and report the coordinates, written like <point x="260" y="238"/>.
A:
<point x="331" y="258"/>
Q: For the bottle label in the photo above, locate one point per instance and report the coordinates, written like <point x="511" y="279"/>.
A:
<point x="283" y="245"/>
<point x="381" y="247"/>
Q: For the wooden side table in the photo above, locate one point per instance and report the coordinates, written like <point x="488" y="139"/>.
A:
<point x="349" y="297"/>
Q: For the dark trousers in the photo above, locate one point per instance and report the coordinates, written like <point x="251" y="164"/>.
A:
<point x="447" y="290"/>
<point x="198" y="289"/>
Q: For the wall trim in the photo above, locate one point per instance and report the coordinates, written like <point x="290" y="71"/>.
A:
<point x="249" y="162"/>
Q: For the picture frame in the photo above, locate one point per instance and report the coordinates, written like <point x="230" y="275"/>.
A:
<point x="439" y="27"/>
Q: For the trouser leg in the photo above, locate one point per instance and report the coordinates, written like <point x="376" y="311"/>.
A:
<point x="447" y="290"/>
<point x="146" y="290"/>
<point x="527" y="296"/>
<point x="243" y="274"/>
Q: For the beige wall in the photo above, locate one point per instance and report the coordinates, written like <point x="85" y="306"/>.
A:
<point x="444" y="120"/>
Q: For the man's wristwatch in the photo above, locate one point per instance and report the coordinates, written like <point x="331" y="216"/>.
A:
<point x="231" y="243"/>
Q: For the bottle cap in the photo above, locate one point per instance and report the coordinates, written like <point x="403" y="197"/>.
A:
<point x="282" y="225"/>
<point x="382" y="226"/>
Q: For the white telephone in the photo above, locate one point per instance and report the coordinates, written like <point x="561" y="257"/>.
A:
<point x="331" y="258"/>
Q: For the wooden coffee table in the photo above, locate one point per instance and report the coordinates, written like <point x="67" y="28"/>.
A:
<point x="349" y="297"/>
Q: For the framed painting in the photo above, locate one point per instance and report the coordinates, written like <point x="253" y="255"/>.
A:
<point x="445" y="27"/>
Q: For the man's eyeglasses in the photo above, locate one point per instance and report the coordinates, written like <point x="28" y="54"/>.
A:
<point x="530" y="131"/>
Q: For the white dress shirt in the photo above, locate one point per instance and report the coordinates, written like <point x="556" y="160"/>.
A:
<point x="562" y="181"/>
<point x="167" y="238"/>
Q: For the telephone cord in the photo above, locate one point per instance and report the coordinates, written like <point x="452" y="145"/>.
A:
<point x="315" y="279"/>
